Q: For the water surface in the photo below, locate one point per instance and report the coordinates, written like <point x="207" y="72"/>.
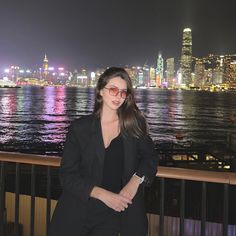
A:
<point x="35" y="120"/>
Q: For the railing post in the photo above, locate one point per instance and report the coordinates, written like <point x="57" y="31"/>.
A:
<point x="48" y="216"/>
<point x="162" y="202"/>
<point x="226" y="210"/>
<point x="17" y="199"/>
<point x="2" y="199"/>
<point x="203" y="210"/>
<point x="32" y="213"/>
<point x="182" y="208"/>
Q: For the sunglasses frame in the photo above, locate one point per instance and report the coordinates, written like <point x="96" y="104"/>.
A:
<point x="119" y="91"/>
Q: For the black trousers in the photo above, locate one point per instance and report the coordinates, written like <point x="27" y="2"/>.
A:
<point x="103" y="221"/>
<point x="97" y="220"/>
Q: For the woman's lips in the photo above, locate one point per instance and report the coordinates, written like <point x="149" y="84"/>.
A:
<point x="116" y="103"/>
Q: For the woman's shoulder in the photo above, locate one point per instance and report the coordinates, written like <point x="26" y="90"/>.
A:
<point x="84" y="119"/>
<point x="81" y="129"/>
<point x="83" y="122"/>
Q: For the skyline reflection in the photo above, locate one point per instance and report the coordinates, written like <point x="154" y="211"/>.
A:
<point x="35" y="118"/>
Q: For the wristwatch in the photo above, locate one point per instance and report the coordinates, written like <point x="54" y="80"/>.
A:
<point x="141" y="179"/>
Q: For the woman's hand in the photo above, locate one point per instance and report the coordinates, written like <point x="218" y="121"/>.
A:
<point x="115" y="201"/>
<point x="131" y="188"/>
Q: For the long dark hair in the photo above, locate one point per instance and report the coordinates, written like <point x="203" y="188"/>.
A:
<point x="132" y="122"/>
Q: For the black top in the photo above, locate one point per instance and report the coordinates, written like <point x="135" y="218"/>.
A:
<point x="113" y="165"/>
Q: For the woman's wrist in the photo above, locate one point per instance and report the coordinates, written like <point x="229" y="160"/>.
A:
<point x="96" y="192"/>
<point x="135" y="180"/>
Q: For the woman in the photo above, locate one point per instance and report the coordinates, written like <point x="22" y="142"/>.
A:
<point x="108" y="159"/>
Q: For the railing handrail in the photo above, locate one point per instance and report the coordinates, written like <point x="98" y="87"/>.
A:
<point x="165" y="172"/>
<point x="35" y="159"/>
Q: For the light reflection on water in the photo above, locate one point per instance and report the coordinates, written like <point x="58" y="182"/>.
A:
<point x="36" y="120"/>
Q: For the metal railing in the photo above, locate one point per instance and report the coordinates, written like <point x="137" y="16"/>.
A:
<point x="49" y="162"/>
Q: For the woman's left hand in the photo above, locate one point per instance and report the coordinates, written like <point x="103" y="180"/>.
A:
<point x="131" y="188"/>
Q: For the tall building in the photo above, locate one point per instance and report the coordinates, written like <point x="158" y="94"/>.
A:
<point x="74" y="78"/>
<point x="217" y="75"/>
<point x="160" y="70"/>
<point x="152" y="73"/>
<point x="170" y="72"/>
<point x="140" y="77"/>
<point x="13" y="73"/>
<point x="133" y="73"/>
<point x="146" y="76"/>
<point x="186" y="57"/>
<point x="199" y="71"/>
<point x="45" y="66"/>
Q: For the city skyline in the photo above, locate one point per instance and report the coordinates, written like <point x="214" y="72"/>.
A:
<point x="79" y="34"/>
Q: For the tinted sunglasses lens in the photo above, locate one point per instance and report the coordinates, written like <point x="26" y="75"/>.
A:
<point x="113" y="91"/>
<point x="123" y="94"/>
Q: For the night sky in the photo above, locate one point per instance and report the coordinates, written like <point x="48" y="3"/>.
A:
<point x="103" y="33"/>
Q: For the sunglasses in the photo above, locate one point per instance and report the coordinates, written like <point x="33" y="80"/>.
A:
<point x="114" y="91"/>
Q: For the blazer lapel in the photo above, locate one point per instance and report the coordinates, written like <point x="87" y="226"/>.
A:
<point x="128" y="144"/>
<point x="97" y="139"/>
<point x="128" y="156"/>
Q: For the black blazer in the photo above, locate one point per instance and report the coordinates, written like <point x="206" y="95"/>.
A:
<point x="82" y="169"/>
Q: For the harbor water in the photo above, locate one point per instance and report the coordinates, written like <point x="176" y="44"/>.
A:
<point x="35" y="120"/>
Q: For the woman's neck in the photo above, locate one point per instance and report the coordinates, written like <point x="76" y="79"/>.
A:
<point x="108" y="116"/>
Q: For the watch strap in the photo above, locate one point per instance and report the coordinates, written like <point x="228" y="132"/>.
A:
<point x="141" y="179"/>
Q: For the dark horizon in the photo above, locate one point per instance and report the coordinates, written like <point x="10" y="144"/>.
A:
<point x="78" y="34"/>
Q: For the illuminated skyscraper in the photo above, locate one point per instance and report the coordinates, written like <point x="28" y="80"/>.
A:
<point x="133" y="73"/>
<point x="186" y="57"/>
<point x="152" y="72"/>
<point x="217" y="75"/>
<point x="14" y="73"/>
<point x="160" y="69"/>
<point x="140" y="77"/>
<point x="170" y="72"/>
<point x="199" y="71"/>
<point x="45" y="66"/>
<point x="146" y="76"/>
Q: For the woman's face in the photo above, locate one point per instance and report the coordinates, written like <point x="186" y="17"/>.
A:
<point x="114" y="93"/>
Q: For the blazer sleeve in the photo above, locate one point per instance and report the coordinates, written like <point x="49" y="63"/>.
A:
<point x="71" y="179"/>
<point x="148" y="159"/>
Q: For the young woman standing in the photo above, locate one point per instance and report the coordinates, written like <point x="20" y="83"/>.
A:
<point x="108" y="159"/>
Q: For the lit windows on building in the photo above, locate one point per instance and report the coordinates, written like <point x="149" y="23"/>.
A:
<point x="152" y="75"/>
<point x="160" y="70"/>
<point x="186" y="57"/>
<point x="199" y="69"/>
<point x="170" y="72"/>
